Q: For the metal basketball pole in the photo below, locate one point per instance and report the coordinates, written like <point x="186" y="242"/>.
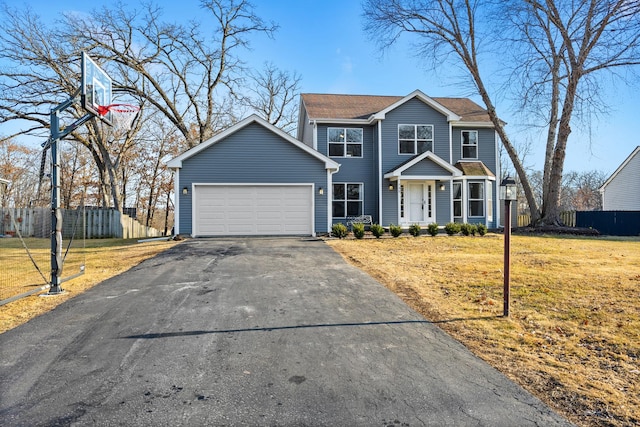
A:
<point x="56" y="135"/>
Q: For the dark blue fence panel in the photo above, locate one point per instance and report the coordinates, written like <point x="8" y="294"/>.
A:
<point x="611" y="223"/>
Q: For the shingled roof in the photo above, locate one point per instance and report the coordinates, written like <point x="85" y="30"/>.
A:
<point x="328" y="106"/>
<point x="471" y="168"/>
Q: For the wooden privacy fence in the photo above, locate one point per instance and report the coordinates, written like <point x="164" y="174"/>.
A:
<point x="567" y="217"/>
<point x="97" y="223"/>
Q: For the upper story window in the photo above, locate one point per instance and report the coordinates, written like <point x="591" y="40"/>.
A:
<point x="415" y="139"/>
<point x="469" y="144"/>
<point x="345" y="142"/>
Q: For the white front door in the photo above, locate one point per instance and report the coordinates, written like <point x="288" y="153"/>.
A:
<point x="418" y="200"/>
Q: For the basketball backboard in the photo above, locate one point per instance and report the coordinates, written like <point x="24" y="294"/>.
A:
<point x="95" y="89"/>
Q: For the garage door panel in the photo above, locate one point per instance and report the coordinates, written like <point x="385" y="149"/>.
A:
<point x="253" y="210"/>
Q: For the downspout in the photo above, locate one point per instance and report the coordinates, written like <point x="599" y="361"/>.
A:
<point x="176" y="205"/>
<point x="380" y="177"/>
<point x="329" y="192"/>
<point x="465" y="204"/>
<point x="450" y="144"/>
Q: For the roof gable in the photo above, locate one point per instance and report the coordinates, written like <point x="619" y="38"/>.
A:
<point x="398" y="171"/>
<point x="621" y="167"/>
<point x="176" y="162"/>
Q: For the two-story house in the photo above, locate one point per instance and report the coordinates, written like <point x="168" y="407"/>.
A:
<point x="401" y="160"/>
<point x="405" y="160"/>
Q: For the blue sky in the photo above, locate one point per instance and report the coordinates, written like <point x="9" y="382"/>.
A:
<point x="323" y="41"/>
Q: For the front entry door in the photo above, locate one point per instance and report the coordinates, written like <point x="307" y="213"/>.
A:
<point x="416" y="203"/>
<point x="418" y="200"/>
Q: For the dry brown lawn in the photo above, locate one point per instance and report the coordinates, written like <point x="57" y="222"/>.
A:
<point x="103" y="259"/>
<point x="573" y="337"/>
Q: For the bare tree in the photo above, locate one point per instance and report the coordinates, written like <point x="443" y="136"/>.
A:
<point x="559" y="49"/>
<point x="273" y="95"/>
<point x="18" y="165"/>
<point x="580" y="191"/>
<point x="189" y="73"/>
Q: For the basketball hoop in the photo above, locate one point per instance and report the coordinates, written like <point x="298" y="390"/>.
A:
<point x="120" y="115"/>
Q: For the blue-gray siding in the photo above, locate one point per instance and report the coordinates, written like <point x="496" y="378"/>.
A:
<point x="357" y="169"/>
<point x="486" y="147"/>
<point x="426" y="167"/>
<point x="253" y="155"/>
<point x="443" y="203"/>
<point x="487" y="155"/>
<point x="418" y="113"/>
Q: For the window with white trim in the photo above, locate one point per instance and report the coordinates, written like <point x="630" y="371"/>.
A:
<point x="347" y="200"/>
<point x="469" y="144"/>
<point x="415" y="139"/>
<point x="476" y="199"/>
<point x="489" y="201"/>
<point x="345" y="142"/>
<point x="457" y="200"/>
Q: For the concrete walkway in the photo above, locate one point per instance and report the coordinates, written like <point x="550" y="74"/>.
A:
<point x="249" y="332"/>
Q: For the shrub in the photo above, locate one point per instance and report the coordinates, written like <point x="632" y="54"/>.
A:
<point x="415" y="230"/>
<point x="377" y="230"/>
<point x="358" y="230"/>
<point x="339" y="230"/>
<point x="482" y="229"/>
<point x="433" y="228"/>
<point x="467" y="229"/>
<point x="452" y="228"/>
<point x="395" y="230"/>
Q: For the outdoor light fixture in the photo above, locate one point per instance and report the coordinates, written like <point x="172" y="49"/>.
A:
<point x="508" y="193"/>
<point x="321" y="191"/>
<point x="442" y="187"/>
<point x="390" y="187"/>
<point x="508" y="189"/>
<point x="185" y="191"/>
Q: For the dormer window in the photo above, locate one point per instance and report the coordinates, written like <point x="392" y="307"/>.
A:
<point x="415" y="139"/>
<point x="469" y="144"/>
<point x="345" y="142"/>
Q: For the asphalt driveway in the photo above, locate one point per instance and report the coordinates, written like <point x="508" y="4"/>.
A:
<point x="249" y="332"/>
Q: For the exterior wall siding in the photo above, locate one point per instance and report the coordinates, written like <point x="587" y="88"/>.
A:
<point x="426" y="167"/>
<point x="487" y="155"/>
<point x="382" y="203"/>
<point x="357" y="169"/>
<point x="414" y="112"/>
<point x="443" y="203"/>
<point x="486" y="147"/>
<point x="252" y="155"/>
<point x="621" y="193"/>
<point x="306" y="136"/>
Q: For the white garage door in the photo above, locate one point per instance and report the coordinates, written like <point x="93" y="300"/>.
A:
<point x="248" y="210"/>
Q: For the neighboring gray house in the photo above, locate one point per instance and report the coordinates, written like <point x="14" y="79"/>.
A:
<point x="406" y="160"/>
<point x="252" y="179"/>
<point x="401" y="160"/>
<point x="618" y="192"/>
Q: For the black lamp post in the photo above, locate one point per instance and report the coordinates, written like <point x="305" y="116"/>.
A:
<point x="508" y="193"/>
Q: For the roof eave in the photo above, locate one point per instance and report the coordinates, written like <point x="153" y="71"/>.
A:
<point x="474" y="124"/>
